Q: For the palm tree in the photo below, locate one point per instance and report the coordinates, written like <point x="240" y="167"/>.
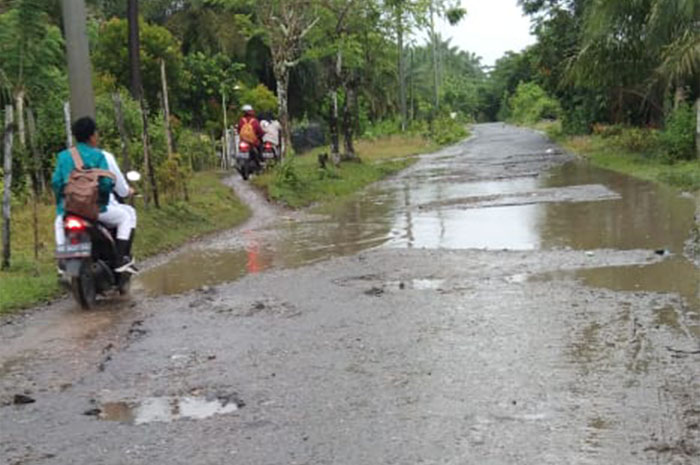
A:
<point x="31" y="49"/>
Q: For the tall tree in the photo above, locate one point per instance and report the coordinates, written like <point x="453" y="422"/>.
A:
<point x="287" y="23"/>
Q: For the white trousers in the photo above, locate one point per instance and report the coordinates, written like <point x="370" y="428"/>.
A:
<point x="122" y="217"/>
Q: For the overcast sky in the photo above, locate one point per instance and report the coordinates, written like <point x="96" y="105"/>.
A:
<point x="491" y="28"/>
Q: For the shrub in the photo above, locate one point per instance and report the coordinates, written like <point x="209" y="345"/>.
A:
<point x="637" y="140"/>
<point x="447" y="130"/>
<point x="678" y="138"/>
<point x="530" y="104"/>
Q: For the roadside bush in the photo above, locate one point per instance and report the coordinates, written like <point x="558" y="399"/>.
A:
<point x="607" y="130"/>
<point x="530" y="104"/>
<point x="387" y="127"/>
<point x="447" y="130"/>
<point x="677" y="140"/>
<point x="638" y="140"/>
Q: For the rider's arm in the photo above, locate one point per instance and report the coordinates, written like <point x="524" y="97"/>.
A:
<point x="57" y="180"/>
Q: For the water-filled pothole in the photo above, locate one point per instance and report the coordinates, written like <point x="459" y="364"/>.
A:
<point x="167" y="409"/>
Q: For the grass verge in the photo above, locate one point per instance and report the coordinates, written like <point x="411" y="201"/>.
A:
<point x="605" y="153"/>
<point x="212" y="207"/>
<point x="300" y="182"/>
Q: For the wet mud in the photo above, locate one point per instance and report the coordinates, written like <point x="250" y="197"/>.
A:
<point x="499" y="302"/>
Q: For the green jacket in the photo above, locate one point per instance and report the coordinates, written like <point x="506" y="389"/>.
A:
<point x="92" y="158"/>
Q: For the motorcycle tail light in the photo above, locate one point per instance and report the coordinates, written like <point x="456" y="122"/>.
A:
<point x="73" y="223"/>
<point x="268" y="146"/>
<point x="244" y="147"/>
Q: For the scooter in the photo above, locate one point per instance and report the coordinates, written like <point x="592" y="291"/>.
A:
<point x="88" y="259"/>
<point x="270" y="153"/>
<point x="246" y="164"/>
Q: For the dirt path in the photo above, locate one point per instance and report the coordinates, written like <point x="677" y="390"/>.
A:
<point x="476" y="333"/>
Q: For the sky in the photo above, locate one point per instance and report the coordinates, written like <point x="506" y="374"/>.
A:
<point x="491" y="28"/>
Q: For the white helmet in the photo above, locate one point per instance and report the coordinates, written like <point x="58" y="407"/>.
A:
<point x="247" y="107"/>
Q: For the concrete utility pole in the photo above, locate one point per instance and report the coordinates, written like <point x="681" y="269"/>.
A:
<point x="82" y="97"/>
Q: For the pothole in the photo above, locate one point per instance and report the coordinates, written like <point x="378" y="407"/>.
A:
<point x="167" y="409"/>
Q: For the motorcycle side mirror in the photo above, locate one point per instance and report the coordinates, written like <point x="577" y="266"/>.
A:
<point x="133" y="176"/>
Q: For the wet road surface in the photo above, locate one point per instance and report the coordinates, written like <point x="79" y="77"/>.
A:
<point x="497" y="303"/>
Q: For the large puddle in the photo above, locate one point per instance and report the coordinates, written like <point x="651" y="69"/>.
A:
<point x="575" y="206"/>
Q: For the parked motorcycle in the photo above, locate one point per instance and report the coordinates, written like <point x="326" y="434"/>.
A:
<point x="246" y="164"/>
<point x="89" y="257"/>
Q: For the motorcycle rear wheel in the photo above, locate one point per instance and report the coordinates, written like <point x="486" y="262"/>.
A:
<point x="84" y="288"/>
<point x="245" y="171"/>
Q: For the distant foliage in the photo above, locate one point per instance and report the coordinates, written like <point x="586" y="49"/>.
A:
<point x="530" y="104"/>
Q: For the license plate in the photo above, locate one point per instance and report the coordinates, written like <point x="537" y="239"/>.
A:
<point x="268" y="155"/>
<point x="243" y="155"/>
<point x="84" y="249"/>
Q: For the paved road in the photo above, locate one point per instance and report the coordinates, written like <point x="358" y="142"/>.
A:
<point x="470" y="336"/>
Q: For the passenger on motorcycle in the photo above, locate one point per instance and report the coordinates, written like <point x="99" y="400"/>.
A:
<point x="249" y="130"/>
<point x="113" y="215"/>
<point x="272" y="129"/>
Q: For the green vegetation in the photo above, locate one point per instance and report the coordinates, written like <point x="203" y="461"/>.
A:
<point x="300" y="181"/>
<point x="631" y="151"/>
<point x="531" y="104"/>
<point x="212" y="207"/>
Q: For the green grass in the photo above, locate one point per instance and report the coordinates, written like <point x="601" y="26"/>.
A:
<point x="300" y="182"/>
<point x="212" y="207"/>
<point x="683" y="175"/>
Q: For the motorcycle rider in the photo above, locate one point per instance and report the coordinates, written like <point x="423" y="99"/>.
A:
<point x="249" y="130"/>
<point x="122" y="189"/>
<point x="112" y="215"/>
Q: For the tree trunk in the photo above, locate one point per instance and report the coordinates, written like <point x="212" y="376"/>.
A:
<point x="132" y="15"/>
<point x="7" y="186"/>
<point x="148" y="164"/>
<point x="697" y="128"/>
<point x="348" y="121"/>
<point x="435" y="63"/>
<point x="282" y="77"/>
<point x="402" y="67"/>
<point x="166" y="109"/>
<point x="66" y="120"/>
<point x="334" y="122"/>
<point x="333" y="127"/>
<point x="19" y="104"/>
<point x="679" y="97"/>
<point x="412" y="92"/>
<point x="123" y="137"/>
<point x="225" y="152"/>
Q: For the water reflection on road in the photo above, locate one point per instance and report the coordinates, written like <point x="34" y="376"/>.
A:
<point x="391" y="214"/>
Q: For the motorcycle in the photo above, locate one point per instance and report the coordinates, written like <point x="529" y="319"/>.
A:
<point x="246" y="164"/>
<point x="88" y="259"/>
<point x="270" y="153"/>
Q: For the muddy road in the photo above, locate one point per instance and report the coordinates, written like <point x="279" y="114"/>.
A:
<point x="497" y="303"/>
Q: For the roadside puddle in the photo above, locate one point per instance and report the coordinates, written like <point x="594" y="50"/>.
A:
<point x="576" y="206"/>
<point x="165" y="409"/>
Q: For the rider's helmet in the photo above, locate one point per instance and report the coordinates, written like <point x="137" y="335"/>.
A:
<point x="247" y="108"/>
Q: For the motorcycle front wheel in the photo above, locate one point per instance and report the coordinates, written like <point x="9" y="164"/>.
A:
<point x="83" y="287"/>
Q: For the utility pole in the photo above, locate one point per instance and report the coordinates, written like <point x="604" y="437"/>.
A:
<point x="82" y="97"/>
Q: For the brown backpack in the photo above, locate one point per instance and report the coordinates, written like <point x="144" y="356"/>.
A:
<point x="81" y="193"/>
